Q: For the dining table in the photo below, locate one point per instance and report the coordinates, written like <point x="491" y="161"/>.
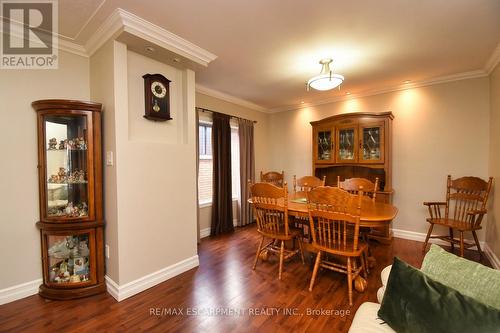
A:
<point x="373" y="214"/>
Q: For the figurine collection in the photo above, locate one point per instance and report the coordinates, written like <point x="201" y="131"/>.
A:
<point x="70" y="210"/>
<point x="74" y="266"/>
<point x="63" y="176"/>
<point x="72" y="144"/>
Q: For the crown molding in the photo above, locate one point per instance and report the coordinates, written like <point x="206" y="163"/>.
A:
<point x="122" y="21"/>
<point x="493" y="60"/>
<point x="373" y="92"/>
<point x="71" y="47"/>
<point x="110" y="28"/>
<point x="229" y="98"/>
<point x="163" y="38"/>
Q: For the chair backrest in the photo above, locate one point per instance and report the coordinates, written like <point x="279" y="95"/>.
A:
<point x="307" y="183"/>
<point x="466" y="194"/>
<point x="270" y="208"/>
<point x="352" y="185"/>
<point x="334" y="219"/>
<point x="273" y="177"/>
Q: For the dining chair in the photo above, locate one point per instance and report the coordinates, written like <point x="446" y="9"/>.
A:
<point x="334" y="221"/>
<point x="273" y="177"/>
<point x="352" y="186"/>
<point x="307" y="183"/>
<point x="270" y="210"/>
<point x="464" y="209"/>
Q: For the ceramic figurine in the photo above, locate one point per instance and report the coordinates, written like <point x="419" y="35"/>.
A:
<point x="59" y="250"/>
<point x="53" y="144"/>
<point x="69" y="208"/>
<point x="83" y="249"/>
<point x="74" y="278"/>
<point x="62" y="144"/>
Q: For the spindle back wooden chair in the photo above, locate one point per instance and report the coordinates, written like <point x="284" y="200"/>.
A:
<point x="307" y="183"/>
<point x="334" y="222"/>
<point x="270" y="210"/>
<point x="464" y="209"/>
<point x="352" y="186"/>
<point x="273" y="177"/>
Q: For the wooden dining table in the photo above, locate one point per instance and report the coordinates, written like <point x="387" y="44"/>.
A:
<point x="373" y="215"/>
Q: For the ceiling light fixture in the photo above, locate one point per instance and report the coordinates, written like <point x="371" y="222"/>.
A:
<point x="326" y="80"/>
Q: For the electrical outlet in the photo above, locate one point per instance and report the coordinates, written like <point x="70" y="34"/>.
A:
<point x="107" y="251"/>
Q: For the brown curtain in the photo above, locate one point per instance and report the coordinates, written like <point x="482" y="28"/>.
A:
<point x="222" y="212"/>
<point x="247" y="168"/>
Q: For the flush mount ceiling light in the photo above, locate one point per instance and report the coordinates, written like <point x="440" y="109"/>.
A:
<point x="326" y="80"/>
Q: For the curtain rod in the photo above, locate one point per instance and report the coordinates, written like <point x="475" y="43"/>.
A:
<point x="207" y="110"/>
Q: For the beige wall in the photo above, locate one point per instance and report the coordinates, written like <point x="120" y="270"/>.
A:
<point x="493" y="228"/>
<point x="261" y="139"/>
<point x="19" y="237"/>
<point x="438" y="130"/>
<point x="156" y="170"/>
<point x="102" y="90"/>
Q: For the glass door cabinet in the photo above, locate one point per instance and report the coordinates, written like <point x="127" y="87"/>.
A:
<point x="70" y="186"/>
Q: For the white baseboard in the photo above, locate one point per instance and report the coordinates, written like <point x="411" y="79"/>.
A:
<point x="420" y="236"/>
<point x="134" y="287"/>
<point x="204" y="232"/>
<point x="19" y="291"/>
<point x="491" y="256"/>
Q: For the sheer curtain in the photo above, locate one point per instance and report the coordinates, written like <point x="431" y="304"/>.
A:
<point x="247" y="169"/>
<point x="222" y="212"/>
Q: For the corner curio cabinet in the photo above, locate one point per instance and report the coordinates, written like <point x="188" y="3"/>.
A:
<point x="70" y="192"/>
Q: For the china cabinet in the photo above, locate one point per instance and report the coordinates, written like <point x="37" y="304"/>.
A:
<point x="355" y="145"/>
<point x="70" y="198"/>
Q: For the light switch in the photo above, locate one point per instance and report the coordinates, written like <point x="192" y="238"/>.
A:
<point x="109" y="158"/>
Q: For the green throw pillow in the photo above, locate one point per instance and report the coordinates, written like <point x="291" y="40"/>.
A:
<point x="470" y="278"/>
<point x="415" y="303"/>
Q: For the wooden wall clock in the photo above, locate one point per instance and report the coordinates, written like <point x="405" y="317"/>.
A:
<point x="157" y="97"/>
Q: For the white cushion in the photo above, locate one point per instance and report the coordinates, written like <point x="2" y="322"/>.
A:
<point x="366" y="320"/>
<point x="380" y="294"/>
<point x="384" y="275"/>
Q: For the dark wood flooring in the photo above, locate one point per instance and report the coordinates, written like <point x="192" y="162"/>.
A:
<point x="227" y="294"/>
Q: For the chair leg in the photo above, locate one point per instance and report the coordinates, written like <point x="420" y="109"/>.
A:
<point x="259" y="249"/>
<point x="427" y="237"/>
<point x="452" y="243"/>
<point x="363" y="266"/>
<point x="477" y="244"/>
<point x="461" y="243"/>
<point x="282" y="252"/>
<point x="301" y="251"/>
<point x="365" y="258"/>
<point x="315" y="270"/>
<point x="349" y="280"/>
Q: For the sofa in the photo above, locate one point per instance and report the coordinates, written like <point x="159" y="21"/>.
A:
<point x="469" y="281"/>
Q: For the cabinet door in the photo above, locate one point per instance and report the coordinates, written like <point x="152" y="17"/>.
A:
<point x="324" y="143"/>
<point x="68" y="166"/>
<point x="69" y="258"/>
<point x="347" y="148"/>
<point x="371" y="142"/>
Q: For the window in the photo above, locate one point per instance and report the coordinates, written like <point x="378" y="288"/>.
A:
<point x="205" y="135"/>
<point x="206" y="163"/>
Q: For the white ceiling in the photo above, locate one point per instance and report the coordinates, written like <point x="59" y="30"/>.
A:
<point x="268" y="49"/>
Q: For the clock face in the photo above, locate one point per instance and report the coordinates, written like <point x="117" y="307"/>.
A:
<point x="158" y="89"/>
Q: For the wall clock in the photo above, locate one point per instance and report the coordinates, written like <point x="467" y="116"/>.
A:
<point x="157" y="97"/>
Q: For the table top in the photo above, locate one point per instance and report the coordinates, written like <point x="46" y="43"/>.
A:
<point x="373" y="214"/>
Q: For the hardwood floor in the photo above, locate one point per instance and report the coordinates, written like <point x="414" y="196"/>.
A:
<point x="227" y="293"/>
